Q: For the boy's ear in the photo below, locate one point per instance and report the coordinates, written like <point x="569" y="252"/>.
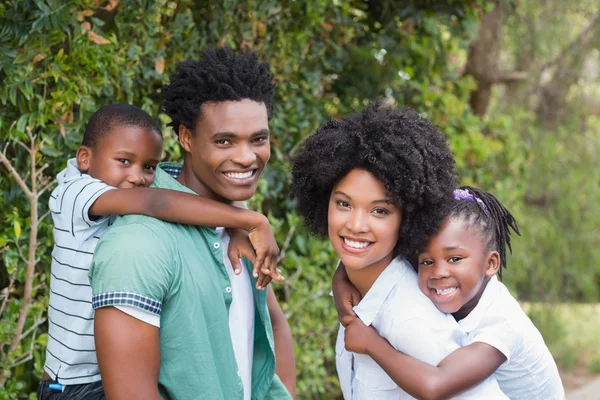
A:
<point x="83" y="157"/>
<point x="493" y="263"/>
<point x="185" y="137"/>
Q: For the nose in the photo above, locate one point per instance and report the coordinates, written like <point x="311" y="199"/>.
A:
<point x="357" y="222"/>
<point x="440" y="270"/>
<point x="136" y="177"/>
<point x="244" y="156"/>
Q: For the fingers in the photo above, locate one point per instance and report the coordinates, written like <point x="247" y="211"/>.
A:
<point x="259" y="262"/>
<point x="347" y="319"/>
<point x="355" y="299"/>
<point x="262" y="281"/>
<point x="270" y="268"/>
<point x="234" y="257"/>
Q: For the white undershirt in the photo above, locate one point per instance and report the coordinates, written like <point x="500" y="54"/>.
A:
<point x="241" y="316"/>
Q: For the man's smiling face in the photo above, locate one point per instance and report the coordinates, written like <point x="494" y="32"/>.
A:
<point x="229" y="149"/>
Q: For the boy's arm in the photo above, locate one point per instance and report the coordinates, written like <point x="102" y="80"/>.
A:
<point x="459" y="371"/>
<point x="186" y="208"/>
<point x="284" y="345"/>
<point x="128" y="353"/>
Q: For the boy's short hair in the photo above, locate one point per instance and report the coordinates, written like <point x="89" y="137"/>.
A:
<point x="405" y="151"/>
<point x="220" y="75"/>
<point x="111" y="115"/>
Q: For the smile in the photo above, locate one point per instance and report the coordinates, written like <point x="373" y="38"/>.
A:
<point x="355" y="246"/>
<point x="239" y="175"/>
<point x="445" y="291"/>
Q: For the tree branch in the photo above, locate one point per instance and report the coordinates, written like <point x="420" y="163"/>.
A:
<point x="15" y="174"/>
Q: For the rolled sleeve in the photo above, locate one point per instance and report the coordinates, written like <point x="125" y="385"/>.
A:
<point x="132" y="266"/>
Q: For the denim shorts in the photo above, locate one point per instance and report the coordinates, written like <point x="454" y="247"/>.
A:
<point x="86" y="391"/>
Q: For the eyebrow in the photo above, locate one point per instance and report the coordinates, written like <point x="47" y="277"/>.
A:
<point x="230" y="135"/>
<point x="453" y="248"/>
<point x="126" y="153"/>
<point x="382" y="201"/>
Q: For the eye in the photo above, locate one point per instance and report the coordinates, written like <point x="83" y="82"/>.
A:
<point x="150" y="167"/>
<point x="426" y="263"/>
<point x="124" y="161"/>
<point x="223" y="142"/>
<point x="261" y="140"/>
<point x="381" y="211"/>
<point x="342" y="203"/>
<point x="454" y="259"/>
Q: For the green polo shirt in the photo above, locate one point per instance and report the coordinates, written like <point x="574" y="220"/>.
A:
<point x="176" y="272"/>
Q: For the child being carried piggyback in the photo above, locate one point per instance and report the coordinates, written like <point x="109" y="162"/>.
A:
<point x="110" y="175"/>
<point x="457" y="272"/>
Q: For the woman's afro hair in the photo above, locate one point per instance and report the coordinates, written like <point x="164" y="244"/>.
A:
<point x="220" y="75"/>
<point x="405" y="151"/>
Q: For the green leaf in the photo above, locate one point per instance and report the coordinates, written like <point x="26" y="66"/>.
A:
<point x="17" y="228"/>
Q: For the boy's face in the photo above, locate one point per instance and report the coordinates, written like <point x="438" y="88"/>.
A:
<point x="125" y="157"/>
<point x="454" y="267"/>
<point x="363" y="222"/>
<point x="228" y="150"/>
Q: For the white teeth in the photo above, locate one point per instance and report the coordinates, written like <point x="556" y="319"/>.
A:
<point x="356" y="245"/>
<point x="239" y="175"/>
<point x="445" y="292"/>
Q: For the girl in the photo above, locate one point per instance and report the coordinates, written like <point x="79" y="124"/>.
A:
<point x="457" y="272"/>
<point x="371" y="182"/>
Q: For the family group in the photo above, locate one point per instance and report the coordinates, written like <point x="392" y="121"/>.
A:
<point x="161" y="277"/>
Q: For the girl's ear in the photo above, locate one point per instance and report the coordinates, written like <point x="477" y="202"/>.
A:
<point x="83" y="157"/>
<point x="493" y="263"/>
<point x="185" y="137"/>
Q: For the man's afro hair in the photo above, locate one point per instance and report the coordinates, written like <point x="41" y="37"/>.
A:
<point x="220" y="75"/>
<point x="405" y="151"/>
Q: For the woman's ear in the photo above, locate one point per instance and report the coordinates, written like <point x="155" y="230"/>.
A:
<point x="185" y="137"/>
<point x="493" y="263"/>
<point x="83" y="156"/>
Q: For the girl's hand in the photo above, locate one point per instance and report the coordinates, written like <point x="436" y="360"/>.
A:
<point x="345" y="294"/>
<point x="358" y="336"/>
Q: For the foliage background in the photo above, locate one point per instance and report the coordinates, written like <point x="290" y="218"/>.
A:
<point x="60" y="61"/>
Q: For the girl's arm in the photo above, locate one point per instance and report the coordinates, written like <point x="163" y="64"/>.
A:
<point x="462" y="369"/>
<point x="186" y="208"/>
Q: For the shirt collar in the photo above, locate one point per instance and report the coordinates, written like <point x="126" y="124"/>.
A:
<point x="72" y="171"/>
<point x="472" y="321"/>
<point x="370" y="305"/>
<point x="165" y="175"/>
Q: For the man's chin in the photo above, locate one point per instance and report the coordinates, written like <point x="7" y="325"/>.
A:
<point x="239" y="194"/>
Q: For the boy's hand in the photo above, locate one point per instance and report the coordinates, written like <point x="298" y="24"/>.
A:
<point x="345" y="294"/>
<point x="267" y="252"/>
<point x="239" y="247"/>
<point x="358" y="336"/>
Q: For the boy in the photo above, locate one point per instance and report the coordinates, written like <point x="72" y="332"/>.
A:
<point x="121" y="147"/>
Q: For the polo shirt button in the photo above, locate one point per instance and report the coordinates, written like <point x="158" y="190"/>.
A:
<point x="216" y="245"/>
<point x="239" y="373"/>
<point x="228" y="289"/>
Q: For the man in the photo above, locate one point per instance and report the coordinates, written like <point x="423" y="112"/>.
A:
<point x="216" y="336"/>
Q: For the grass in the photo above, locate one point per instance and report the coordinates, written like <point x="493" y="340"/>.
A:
<point x="571" y="332"/>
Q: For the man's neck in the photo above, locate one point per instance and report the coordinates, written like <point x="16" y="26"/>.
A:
<point x="188" y="179"/>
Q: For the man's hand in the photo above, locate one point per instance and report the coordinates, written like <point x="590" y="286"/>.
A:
<point x="260" y="247"/>
<point x="346" y="296"/>
<point x="358" y="336"/>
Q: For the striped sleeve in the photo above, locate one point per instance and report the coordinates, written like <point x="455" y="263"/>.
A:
<point x="71" y="205"/>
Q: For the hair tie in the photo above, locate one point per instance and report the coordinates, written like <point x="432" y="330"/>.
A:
<point x="463" y="194"/>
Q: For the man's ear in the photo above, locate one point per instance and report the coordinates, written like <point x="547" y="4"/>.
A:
<point x="185" y="138"/>
<point x="83" y="156"/>
<point x="493" y="263"/>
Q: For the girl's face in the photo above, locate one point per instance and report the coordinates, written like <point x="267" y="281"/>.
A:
<point x="455" y="266"/>
<point x="363" y="222"/>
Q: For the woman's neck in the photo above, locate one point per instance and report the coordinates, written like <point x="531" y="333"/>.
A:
<point x="364" y="278"/>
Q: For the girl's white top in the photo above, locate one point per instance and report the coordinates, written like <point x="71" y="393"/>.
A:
<point x="402" y="314"/>
<point x="529" y="372"/>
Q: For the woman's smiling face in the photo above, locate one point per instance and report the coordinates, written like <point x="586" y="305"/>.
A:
<point x="363" y="222"/>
